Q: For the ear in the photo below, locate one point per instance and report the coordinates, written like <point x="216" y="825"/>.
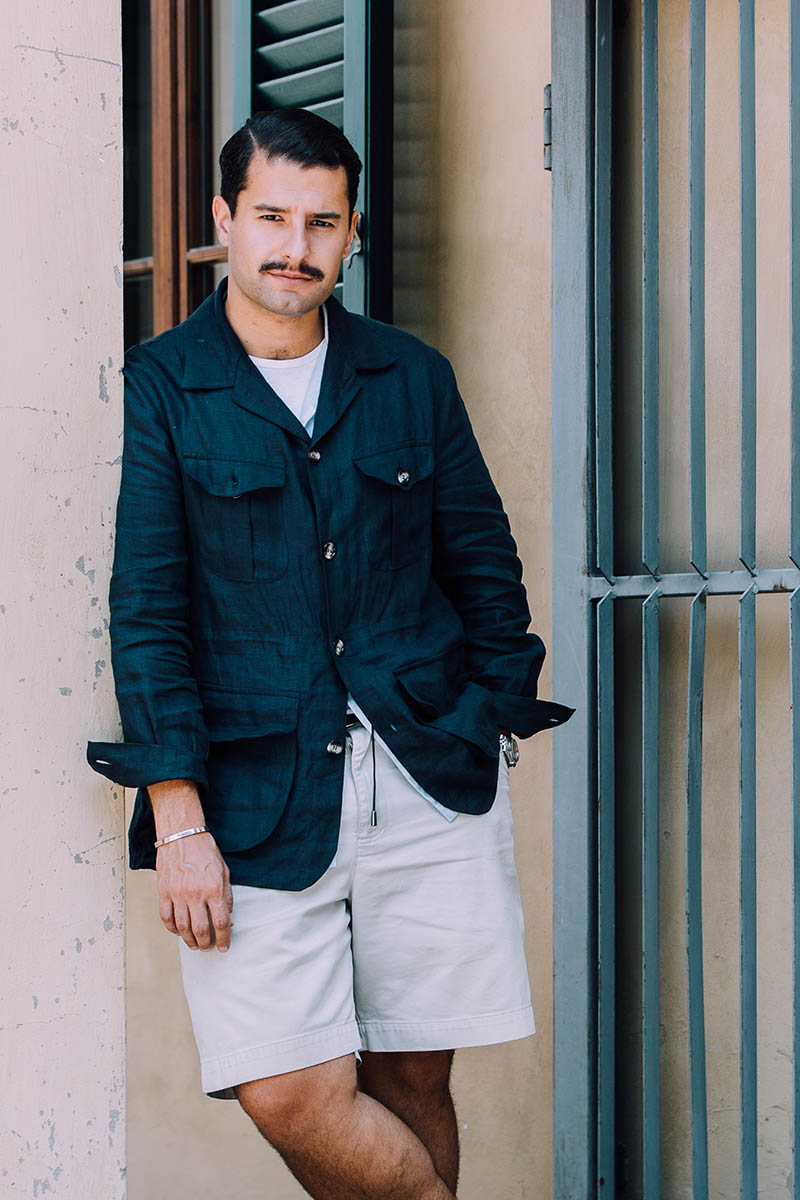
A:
<point x="222" y="219"/>
<point x="352" y="233"/>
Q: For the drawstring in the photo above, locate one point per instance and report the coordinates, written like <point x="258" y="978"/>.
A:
<point x="373" y="820"/>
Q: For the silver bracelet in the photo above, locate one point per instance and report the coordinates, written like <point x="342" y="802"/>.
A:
<point x="173" y="837"/>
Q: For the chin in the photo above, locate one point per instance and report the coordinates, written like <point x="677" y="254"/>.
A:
<point x="292" y="304"/>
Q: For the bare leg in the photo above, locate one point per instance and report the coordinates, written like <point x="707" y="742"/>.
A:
<point x="338" y="1142"/>
<point x="416" y="1088"/>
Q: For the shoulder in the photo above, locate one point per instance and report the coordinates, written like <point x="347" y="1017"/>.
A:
<point x="155" y="359"/>
<point x="375" y="343"/>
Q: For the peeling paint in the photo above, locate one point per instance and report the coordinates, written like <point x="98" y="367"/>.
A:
<point x="103" y="385"/>
<point x="81" y="566"/>
<point x="108" y="924"/>
<point x="65" y="691"/>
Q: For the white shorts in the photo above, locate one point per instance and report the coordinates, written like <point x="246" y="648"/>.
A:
<point x="413" y="939"/>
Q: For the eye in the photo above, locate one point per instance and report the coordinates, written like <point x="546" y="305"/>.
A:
<point x="269" y="217"/>
<point x="322" y="224"/>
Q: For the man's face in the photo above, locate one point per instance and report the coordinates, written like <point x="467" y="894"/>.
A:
<point x="289" y="235"/>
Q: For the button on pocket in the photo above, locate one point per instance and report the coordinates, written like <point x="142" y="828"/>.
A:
<point x="398" y="487"/>
<point x="235" y="512"/>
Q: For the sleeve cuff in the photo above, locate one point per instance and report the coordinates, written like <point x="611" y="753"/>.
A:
<point x="135" y="764"/>
<point x="524" y="716"/>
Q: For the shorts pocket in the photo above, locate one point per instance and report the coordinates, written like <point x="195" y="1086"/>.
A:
<point x="396" y="513"/>
<point x="235" y="513"/>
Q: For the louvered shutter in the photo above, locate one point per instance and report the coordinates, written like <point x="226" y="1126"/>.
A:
<point x="335" y="58"/>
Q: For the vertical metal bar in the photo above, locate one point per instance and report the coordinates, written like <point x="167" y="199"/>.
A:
<point x="794" y="118"/>
<point x="574" y="782"/>
<point x="697" y="285"/>
<point x="794" y="670"/>
<point x="747" y="894"/>
<point x="694" y="896"/>
<point x="650" y="398"/>
<point x="651" y="1069"/>
<point x="747" y="351"/>
<point x="606" y="1142"/>
<point x="602" y="290"/>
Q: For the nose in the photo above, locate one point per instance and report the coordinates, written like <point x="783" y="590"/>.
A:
<point x="295" y="243"/>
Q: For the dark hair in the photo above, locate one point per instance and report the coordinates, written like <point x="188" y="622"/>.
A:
<point x="291" y="133"/>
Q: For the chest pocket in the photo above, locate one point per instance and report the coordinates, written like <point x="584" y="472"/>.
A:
<point x="396" y="513"/>
<point x="235" y="511"/>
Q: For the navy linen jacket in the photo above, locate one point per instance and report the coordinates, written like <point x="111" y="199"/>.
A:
<point x="260" y="574"/>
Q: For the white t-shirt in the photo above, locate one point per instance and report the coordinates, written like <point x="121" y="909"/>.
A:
<point x="297" y="382"/>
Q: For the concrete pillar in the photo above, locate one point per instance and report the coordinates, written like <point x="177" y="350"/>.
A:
<point x="61" y="828"/>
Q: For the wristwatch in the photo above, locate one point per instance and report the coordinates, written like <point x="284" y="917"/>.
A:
<point x="510" y="748"/>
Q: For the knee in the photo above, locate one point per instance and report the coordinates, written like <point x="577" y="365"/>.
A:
<point x="421" y="1075"/>
<point x="286" y="1107"/>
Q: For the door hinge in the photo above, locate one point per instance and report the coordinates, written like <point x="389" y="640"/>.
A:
<point x="547" y="126"/>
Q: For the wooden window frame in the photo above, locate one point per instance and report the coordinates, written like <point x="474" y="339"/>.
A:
<point x="179" y="67"/>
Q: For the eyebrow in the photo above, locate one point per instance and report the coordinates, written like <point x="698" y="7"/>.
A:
<point x="275" y="208"/>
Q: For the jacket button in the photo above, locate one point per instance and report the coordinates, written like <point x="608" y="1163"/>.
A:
<point x="314" y="455"/>
<point x="335" y="747"/>
<point x="338" y="646"/>
<point x="329" y="550"/>
<point x="403" y="477"/>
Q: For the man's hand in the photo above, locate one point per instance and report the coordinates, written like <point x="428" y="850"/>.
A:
<point x="195" y="897"/>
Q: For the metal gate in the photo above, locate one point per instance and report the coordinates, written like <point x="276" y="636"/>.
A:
<point x="676" y="532"/>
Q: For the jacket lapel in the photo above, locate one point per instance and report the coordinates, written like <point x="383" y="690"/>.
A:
<point x="355" y="346"/>
<point x="214" y="358"/>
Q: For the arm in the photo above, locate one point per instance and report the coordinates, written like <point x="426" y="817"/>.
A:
<point x="475" y="564"/>
<point x="165" y="738"/>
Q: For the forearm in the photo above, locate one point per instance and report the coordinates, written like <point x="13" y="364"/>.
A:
<point x="176" y="806"/>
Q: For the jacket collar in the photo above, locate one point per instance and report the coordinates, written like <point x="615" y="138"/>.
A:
<point x="214" y="358"/>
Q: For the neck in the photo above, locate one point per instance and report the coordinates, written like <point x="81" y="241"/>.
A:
<point x="270" y="335"/>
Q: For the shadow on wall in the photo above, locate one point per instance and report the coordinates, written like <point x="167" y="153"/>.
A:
<point x="416" y="177"/>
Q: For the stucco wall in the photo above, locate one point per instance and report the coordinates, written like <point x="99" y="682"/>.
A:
<point x="472" y="240"/>
<point x="61" y="1017"/>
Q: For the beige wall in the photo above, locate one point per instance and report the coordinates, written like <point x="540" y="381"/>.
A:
<point x="62" y="1113"/>
<point x="473" y="239"/>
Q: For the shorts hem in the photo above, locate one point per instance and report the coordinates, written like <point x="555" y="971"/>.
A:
<point x="220" y="1075"/>
<point x="453" y="1034"/>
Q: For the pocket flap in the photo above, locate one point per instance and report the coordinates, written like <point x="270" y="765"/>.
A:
<point x="232" y="477"/>
<point x="400" y="466"/>
<point x="230" y="715"/>
<point x="433" y="684"/>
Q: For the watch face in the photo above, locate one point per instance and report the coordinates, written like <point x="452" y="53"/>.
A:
<point x="510" y="749"/>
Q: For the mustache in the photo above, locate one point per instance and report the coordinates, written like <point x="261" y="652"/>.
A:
<point x="302" y="268"/>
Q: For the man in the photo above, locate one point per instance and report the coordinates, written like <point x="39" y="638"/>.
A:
<point x="319" y="633"/>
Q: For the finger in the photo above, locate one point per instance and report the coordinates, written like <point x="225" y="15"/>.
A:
<point x="167" y="914"/>
<point x="229" y="896"/>
<point x="184" y="925"/>
<point x="221" y="918"/>
<point x="201" y="925"/>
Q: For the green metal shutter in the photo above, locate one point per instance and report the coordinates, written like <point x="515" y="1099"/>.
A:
<point x="335" y="57"/>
